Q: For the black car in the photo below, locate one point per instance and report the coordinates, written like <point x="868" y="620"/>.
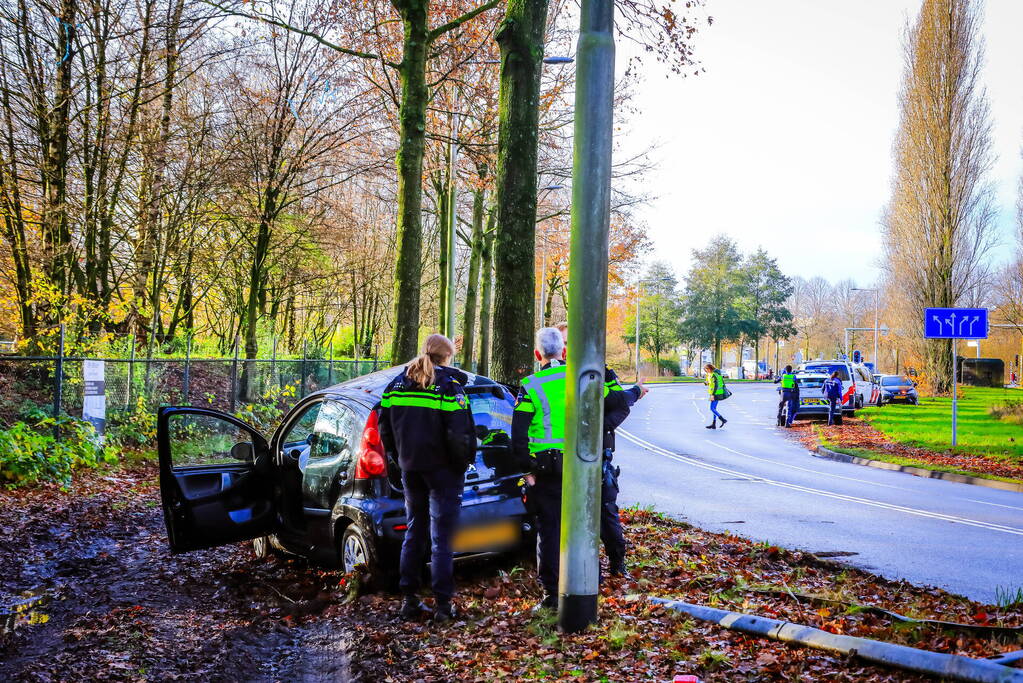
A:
<point x="321" y="485"/>
<point x="896" y="388"/>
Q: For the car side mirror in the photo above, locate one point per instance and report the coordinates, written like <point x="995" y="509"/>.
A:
<point x="242" y="451"/>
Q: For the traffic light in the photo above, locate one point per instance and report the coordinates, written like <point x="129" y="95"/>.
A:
<point x="857" y="357"/>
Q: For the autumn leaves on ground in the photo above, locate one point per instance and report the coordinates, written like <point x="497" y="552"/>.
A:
<point x="104" y="599"/>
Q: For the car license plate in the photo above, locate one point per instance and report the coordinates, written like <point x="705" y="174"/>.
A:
<point x="813" y="402"/>
<point x="485" y="538"/>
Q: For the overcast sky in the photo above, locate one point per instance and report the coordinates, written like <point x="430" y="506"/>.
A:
<point x="785" y="141"/>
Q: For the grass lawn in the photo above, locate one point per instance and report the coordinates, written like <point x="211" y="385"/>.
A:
<point x="929" y="425"/>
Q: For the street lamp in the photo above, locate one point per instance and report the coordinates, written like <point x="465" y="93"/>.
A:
<point x="543" y="272"/>
<point x="877" y="361"/>
<point x="639" y="296"/>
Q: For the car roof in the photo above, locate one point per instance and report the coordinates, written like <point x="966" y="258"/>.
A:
<point x="371" y="387"/>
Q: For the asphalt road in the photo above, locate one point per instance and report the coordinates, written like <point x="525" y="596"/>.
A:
<point x="750" y="479"/>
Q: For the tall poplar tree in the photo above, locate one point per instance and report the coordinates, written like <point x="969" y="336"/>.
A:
<point x="939" y="221"/>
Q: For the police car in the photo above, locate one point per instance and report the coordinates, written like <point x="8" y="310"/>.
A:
<point x="858" y="384"/>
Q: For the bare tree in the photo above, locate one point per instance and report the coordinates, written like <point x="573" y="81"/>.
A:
<point x="939" y="222"/>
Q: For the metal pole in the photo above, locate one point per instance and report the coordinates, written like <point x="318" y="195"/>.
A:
<point x="954" y="397"/>
<point x="188" y="361"/>
<point x="330" y="363"/>
<point x="587" y="315"/>
<point x="302" y="368"/>
<point x="449" y="332"/>
<point x="234" y="376"/>
<point x="58" y="382"/>
<point x="543" y="285"/>
<point x="273" y="362"/>
<point x="847" y="342"/>
<point x="877" y="361"/>
<point x="131" y="369"/>
<point x="639" y="295"/>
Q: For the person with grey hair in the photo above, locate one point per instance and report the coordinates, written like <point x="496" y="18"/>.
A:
<point x="538" y="441"/>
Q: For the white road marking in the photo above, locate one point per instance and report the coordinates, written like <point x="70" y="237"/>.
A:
<point x="804" y="469"/>
<point x="826" y="494"/>
<point x="1011" y="507"/>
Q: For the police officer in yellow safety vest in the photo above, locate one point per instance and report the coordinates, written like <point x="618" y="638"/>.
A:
<point x="789" y="395"/>
<point x="538" y="440"/>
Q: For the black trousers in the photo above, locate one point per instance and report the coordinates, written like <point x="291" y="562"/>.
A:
<point x="611" y="534"/>
<point x="433" y="501"/>
<point x="546" y="495"/>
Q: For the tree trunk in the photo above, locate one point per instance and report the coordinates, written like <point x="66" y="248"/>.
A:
<point x="412" y="132"/>
<point x="487" y="257"/>
<point x="520" y="36"/>
<point x="443" y="219"/>
<point x="472" y="287"/>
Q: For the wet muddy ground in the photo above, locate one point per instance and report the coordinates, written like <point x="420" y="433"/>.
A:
<point x="89" y="591"/>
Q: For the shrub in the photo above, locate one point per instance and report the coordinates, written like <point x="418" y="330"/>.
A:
<point x="1010" y="411"/>
<point x="29" y="452"/>
<point x="670" y="366"/>
<point x="133" y="427"/>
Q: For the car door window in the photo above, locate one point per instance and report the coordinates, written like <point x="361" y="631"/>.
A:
<point x="492" y="411"/>
<point x="196" y="440"/>
<point x="330" y="453"/>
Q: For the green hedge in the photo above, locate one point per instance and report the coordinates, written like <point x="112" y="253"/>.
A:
<point x="30" y="453"/>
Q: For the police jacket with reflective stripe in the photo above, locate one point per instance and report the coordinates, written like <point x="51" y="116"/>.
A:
<point x="538" y="423"/>
<point x="617" y="405"/>
<point x="430" y="428"/>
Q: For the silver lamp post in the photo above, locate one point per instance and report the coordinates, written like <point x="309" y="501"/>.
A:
<point x="877" y="361"/>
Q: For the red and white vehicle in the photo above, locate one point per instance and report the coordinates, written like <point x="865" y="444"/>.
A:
<point x="858" y="385"/>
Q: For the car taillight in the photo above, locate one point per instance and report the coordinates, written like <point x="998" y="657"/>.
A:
<point x="371" y="463"/>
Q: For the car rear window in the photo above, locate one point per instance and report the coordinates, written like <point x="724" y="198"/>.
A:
<point x="893" y="381"/>
<point x="827" y="369"/>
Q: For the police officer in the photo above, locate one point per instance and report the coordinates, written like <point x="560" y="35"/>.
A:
<point x="617" y="406"/>
<point x="425" y="421"/>
<point x="789" y="395"/>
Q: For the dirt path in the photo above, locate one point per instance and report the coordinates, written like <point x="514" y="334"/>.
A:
<point x="105" y="600"/>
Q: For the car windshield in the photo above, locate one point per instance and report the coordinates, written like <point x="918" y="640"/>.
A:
<point x="894" y="381"/>
<point x="827" y="369"/>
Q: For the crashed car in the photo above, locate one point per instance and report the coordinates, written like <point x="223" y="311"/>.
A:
<point x="321" y="485"/>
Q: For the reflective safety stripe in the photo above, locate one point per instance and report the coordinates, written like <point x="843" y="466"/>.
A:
<point x="419" y="399"/>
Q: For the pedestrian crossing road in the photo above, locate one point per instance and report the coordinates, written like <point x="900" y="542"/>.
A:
<point x="752" y="480"/>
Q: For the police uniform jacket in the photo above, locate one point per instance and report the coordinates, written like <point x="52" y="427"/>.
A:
<point x="616" y="409"/>
<point x="428" y="428"/>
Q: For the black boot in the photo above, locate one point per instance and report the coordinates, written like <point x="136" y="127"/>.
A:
<point x="412" y="609"/>
<point x="723" y="421"/>
<point x="713" y="424"/>
<point x="444" y="612"/>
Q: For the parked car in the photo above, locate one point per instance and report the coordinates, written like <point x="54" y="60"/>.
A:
<point x="898" y="388"/>
<point x="811" y="397"/>
<point x="321" y="485"/>
<point x="860" y="388"/>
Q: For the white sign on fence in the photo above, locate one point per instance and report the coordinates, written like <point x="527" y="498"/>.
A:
<point x="94" y="399"/>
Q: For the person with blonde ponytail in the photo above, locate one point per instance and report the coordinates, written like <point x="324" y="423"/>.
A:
<point x="426" y="425"/>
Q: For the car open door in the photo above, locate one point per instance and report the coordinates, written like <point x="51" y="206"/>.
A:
<point x="216" y="482"/>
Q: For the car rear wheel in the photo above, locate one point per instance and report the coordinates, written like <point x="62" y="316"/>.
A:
<point x="354" y="550"/>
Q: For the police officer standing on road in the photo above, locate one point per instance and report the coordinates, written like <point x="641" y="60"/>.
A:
<point x="425" y="420"/>
<point x="833" y="392"/>
<point x="789" y="395"/>
<point x="617" y="406"/>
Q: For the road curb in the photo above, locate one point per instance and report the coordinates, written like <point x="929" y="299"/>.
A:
<point x="828" y="454"/>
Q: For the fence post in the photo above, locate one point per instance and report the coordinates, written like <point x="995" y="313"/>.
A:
<point x="58" y="382"/>
<point x="131" y="369"/>
<point x="234" y="377"/>
<point x="302" y="370"/>
<point x="330" y="364"/>
<point x="149" y="355"/>
<point x="188" y="362"/>
<point x="274" y="381"/>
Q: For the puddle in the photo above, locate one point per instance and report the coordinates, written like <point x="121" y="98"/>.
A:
<point x="835" y="553"/>
<point x="23" y="610"/>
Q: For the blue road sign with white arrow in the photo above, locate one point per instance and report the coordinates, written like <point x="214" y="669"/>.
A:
<point x="955" y="323"/>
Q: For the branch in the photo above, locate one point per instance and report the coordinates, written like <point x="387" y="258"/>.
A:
<point x="455" y="23"/>
<point x="273" y="21"/>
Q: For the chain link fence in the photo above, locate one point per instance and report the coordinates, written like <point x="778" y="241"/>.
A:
<point x="57" y="384"/>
